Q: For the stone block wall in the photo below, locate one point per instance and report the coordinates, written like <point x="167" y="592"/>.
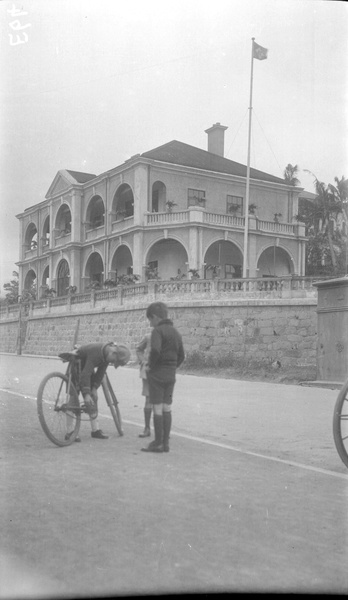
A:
<point x="249" y="332"/>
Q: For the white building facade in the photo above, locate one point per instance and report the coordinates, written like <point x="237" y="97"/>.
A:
<point x="177" y="209"/>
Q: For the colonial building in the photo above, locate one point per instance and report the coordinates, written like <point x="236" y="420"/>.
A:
<point x="176" y="209"/>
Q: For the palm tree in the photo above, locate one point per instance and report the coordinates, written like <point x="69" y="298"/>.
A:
<point x="290" y="173"/>
<point x="326" y="207"/>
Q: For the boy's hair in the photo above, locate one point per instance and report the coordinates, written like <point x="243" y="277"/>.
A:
<point x="157" y="309"/>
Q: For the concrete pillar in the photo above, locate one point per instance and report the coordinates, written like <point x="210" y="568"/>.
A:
<point x="138" y="254"/>
<point x="140" y="193"/>
<point x="76" y="216"/>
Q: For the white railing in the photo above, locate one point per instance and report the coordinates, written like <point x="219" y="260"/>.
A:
<point x="225" y="220"/>
<point x="165" y="218"/>
<point x="92" y="234"/>
<point x="175" y="289"/>
<point x="271" y="226"/>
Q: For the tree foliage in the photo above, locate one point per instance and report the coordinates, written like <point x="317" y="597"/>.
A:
<point x="327" y="237"/>
<point x="290" y="173"/>
<point x="12" y="289"/>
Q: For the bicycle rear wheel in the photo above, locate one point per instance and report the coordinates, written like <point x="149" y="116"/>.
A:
<point x="59" y="411"/>
<point x="340" y="423"/>
<point x="112" y="402"/>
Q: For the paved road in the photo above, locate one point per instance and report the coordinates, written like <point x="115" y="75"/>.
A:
<point x="252" y="496"/>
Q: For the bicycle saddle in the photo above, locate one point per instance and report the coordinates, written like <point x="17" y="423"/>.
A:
<point x="68" y="356"/>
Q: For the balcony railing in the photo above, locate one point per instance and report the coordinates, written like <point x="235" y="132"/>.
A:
<point x="272" y="227"/>
<point x="93" y="233"/>
<point x="224" y="220"/>
<point x="166" y="218"/>
<point x="182" y="290"/>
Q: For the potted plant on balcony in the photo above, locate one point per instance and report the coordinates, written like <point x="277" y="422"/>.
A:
<point x="109" y="283"/>
<point x="71" y="290"/>
<point x="194" y="273"/>
<point x="252" y="209"/>
<point x="170" y="205"/>
<point x="215" y="269"/>
<point x="151" y="273"/>
<point x="127" y="279"/>
<point x="48" y="292"/>
<point x="277" y="217"/>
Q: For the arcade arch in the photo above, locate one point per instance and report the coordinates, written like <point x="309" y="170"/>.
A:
<point x="122" y="262"/>
<point x="30" y="283"/>
<point x="31" y="237"/>
<point x="63" y="278"/>
<point x="223" y="259"/>
<point x="95" y="216"/>
<point x="169" y="257"/>
<point x="63" y="220"/>
<point x="158" y="198"/>
<point x="94" y="270"/>
<point x="123" y="202"/>
<point x="274" y="261"/>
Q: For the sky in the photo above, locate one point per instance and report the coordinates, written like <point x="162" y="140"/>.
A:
<point x="85" y="85"/>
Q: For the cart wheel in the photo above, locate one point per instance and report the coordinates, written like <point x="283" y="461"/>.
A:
<point x="340" y="424"/>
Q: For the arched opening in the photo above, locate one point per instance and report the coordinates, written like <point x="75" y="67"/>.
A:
<point x="46" y="233"/>
<point x="123" y="202"/>
<point x="46" y="277"/>
<point x="224" y="260"/>
<point x="96" y="213"/>
<point x="31" y="237"/>
<point x="122" y="262"/>
<point x="29" y="290"/>
<point x="94" y="272"/>
<point x="63" y="220"/>
<point x="168" y="258"/>
<point x="274" y="262"/>
<point x="63" y="278"/>
<point x="158" y="198"/>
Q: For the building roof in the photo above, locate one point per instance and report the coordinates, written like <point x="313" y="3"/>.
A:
<point x="178" y="153"/>
<point x="80" y="177"/>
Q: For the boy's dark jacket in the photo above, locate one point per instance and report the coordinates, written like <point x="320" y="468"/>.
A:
<point x="92" y="357"/>
<point x="167" y="349"/>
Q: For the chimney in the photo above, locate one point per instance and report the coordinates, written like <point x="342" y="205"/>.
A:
<point x="216" y="139"/>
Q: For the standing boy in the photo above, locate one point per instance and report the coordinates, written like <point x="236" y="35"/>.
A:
<point x="166" y="355"/>
<point x="142" y="351"/>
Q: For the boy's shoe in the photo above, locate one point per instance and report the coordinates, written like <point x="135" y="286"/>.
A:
<point x="146" y="433"/>
<point x="153" y="447"/>
<point x="99" y="435"/>
<point x="68" y="435"/>
<point x="165" y="448"/>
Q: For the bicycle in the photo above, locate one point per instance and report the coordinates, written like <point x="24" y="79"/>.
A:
<point x="340" y="423"/>
<point x="59" y="407"/>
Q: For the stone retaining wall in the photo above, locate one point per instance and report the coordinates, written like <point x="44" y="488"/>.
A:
<point x="251" y="331"/>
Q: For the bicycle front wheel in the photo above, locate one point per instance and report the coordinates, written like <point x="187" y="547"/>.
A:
<point x="112" y="402"/>
<point x="340" y="424"/>
<point x="58" y="409"/>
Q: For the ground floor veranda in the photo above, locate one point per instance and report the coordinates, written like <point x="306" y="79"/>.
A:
<point x="161" y="255"/>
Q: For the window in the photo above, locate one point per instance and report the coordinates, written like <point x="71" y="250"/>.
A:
<point x="196" y="197"/>
<point x="155" y="199"/>
<point x="233" y="271"/>
<point x="234" y="205"/>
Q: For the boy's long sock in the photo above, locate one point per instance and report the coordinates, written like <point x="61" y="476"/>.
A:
<point x="167" y="423"/>
<point x="158" y="425"/>
<point x="147" y="417"/>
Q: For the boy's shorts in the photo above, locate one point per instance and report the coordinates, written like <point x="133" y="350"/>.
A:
<point x="161" y="392"/>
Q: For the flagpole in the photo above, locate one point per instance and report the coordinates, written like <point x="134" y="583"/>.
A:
<point x="246" y="211"/>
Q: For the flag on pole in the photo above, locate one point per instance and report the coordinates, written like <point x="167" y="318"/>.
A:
<point x="259" y="52"/>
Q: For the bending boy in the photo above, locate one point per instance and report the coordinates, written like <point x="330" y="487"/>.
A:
<point x="94" y="360"/>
